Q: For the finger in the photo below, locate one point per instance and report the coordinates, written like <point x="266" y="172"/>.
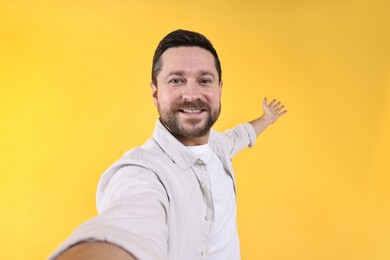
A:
<point x="265" y="101"/>
<point x="272" y="102"/>
<point x="280" y="108"/>
<point x="276" y="105"/>
<point x="283" y="112"/>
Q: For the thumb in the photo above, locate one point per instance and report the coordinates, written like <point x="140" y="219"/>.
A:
<point x="265" y="101"/>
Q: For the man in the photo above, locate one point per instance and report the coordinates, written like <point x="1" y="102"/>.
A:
<point x="174" y="197"/>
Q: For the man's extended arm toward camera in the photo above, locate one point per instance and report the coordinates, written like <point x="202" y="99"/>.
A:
<point x="97" y="250"/>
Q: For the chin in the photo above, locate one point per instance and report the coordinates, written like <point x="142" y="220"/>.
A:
<point x="198" y="130"/>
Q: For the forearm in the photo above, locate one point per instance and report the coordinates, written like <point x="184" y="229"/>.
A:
<point x="97" y="250"/>
<point x="260" y="124"/>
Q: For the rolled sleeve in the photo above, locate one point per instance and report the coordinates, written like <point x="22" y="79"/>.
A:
<point x="236" y="139"/>
<point x="251" y="134"/>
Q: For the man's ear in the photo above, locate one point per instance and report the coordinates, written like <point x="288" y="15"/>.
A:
<point x="220" y="86"/>
<point x="154" y="93"/>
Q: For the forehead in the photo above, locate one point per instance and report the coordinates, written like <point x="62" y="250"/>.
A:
<point x="187" y="59"/>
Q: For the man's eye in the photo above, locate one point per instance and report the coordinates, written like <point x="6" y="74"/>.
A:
<point x="176" y="81"/>
<point x="205" y="81"/>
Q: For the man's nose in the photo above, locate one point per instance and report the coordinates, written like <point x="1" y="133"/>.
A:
<point x="191" y="92"/>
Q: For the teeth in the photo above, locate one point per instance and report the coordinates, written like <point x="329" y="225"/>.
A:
<point x="191" y="111"/>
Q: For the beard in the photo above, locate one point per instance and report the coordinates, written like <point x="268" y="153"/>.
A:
<point x="189" y="127"/>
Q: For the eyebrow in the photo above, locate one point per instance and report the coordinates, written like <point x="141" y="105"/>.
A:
<point x="199" y="73"/>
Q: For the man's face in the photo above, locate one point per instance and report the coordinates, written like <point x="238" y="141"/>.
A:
<point x="188" y="95"/>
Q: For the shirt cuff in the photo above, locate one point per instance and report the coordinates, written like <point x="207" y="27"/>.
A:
<point x="251" y="133"/>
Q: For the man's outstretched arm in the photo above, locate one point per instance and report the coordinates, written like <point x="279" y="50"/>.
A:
<point x="271" y="113"/>
<point x="95" y="250"/>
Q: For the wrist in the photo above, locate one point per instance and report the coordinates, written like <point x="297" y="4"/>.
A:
<point x="268" y="120"/>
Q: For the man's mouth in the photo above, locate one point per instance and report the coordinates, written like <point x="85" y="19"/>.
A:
<point x="191" y="111"/>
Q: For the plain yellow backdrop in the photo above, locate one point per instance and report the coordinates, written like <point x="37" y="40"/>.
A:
<point x="75" y="95"/>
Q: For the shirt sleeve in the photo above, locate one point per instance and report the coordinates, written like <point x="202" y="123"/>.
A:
<point x="132" y="215"/>
<point x="238" y="138"/>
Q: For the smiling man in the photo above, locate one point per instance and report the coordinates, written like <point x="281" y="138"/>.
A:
<point x="174" y="197"/>
<point x="187" y="93"/>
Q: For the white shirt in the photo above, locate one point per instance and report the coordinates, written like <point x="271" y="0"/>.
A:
<point x="156" y="201"/>
<point x="224" y="240"/>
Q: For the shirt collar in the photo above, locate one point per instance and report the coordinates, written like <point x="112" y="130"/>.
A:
<point x="173" y="147"/>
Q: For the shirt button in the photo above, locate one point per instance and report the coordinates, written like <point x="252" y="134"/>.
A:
<point x="207" y="218"/>
<point x="200" y="162"/>
<point x="203" y="253"/>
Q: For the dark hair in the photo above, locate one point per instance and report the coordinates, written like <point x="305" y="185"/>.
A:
<point x="181" y="38"/>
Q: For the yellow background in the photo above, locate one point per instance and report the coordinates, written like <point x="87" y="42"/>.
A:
<point x="75" y="95"/>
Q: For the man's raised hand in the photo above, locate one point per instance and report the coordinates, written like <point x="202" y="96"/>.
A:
<point x="273" y="110"/>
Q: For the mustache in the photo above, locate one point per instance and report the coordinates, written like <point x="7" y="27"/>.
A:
<point x="198" y="104"/>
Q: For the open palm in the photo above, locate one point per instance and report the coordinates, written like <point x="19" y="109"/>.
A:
<point x="273" y="110"/>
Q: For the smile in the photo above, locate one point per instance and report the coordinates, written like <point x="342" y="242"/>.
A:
<point x="195" y="111"/>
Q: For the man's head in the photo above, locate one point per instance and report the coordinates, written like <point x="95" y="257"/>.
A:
<point x="188" y="96"/>
<point x="182" y="38"/>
